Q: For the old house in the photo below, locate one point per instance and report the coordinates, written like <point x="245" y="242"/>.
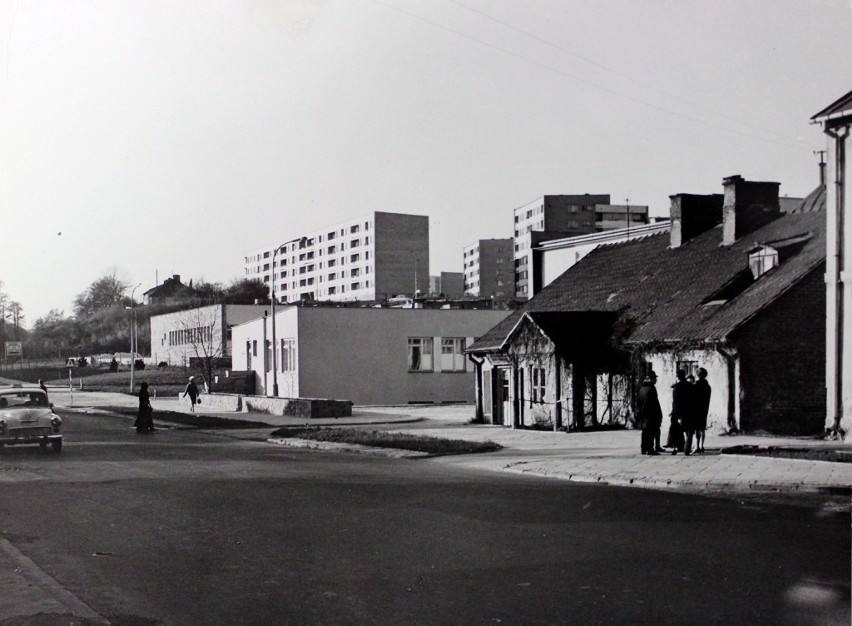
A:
<point x="735" y="287"/>
<point x="172" y="291"/>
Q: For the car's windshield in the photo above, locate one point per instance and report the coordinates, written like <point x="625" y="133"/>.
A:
<point x="22" y="399"/>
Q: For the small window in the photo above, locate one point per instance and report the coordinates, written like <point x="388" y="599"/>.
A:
<point x="288" y="355"/>
<point x="690" y="367"/>
<point x="539" y="384"/>
<point x="452" y="354"/>
<point x="420" y="354"/>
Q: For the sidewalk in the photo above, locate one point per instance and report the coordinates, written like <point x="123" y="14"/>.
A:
<point x="603" y="456"/>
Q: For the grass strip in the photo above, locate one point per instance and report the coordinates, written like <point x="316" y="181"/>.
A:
<point x="384" y="439"/>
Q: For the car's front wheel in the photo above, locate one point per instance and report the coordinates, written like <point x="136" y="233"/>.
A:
<point x="56" y="444"/>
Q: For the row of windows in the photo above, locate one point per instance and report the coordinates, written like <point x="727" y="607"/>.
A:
<point x="308" y="269"/>
<point x="194" y="336"/>
<point x="421" y="354"/>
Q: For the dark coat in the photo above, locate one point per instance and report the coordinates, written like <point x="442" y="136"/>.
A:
<point x="683" y="405"/>
<point x="648" y="411"/>
<point x="191" y="390"/>
<point x="145" y="416"/>
<point x="701" y="392"/>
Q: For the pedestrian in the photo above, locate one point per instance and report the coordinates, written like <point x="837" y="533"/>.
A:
<point x="681" y="401"/>
<point x="648" y="412"/>
<point x="43" y="387"/>
<point x="191" y="391"/>
<point x="702" y="408"/>
<point x="145" y="417"/>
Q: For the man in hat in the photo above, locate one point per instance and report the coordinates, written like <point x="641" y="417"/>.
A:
<point x="191" y="391"/>
<point x="649" y="415"/>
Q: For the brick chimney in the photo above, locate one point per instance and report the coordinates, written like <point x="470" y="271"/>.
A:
<point x="693" y="214"/>
<point x="748" y="205"/>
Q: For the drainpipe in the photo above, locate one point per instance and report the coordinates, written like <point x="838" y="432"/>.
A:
<point x="557" y="405"/>
<point x="731" y="360"/>
<point x="839" y="136"/>
<point x="479" y="414"/>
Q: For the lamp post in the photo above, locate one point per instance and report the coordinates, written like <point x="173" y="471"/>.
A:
<point x="134" y="334"/>
<point x="274" y="351"/>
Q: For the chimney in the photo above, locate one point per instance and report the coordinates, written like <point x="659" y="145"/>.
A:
<point x="748" y="205"/>
<point x="176" y="278"/>
<point x="692" y="214"/>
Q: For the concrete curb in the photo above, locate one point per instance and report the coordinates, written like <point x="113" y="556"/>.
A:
<point x="353" y="448"/>
<point x="753" y="486"/>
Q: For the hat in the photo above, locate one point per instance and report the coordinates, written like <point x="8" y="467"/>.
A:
<point x="192" y="378"/>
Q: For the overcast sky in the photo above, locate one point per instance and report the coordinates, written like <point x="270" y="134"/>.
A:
<point x="175" y="136"/>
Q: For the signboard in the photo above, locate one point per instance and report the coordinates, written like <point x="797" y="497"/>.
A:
<point x="14" y="348"/>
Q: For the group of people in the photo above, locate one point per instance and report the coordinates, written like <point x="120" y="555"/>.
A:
<point x="690" y="404"/>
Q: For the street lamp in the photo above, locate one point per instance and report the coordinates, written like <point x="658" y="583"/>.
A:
<point x="134" y="334"/>
<point x="274" y="351"/>
<point x="302" y="241"/>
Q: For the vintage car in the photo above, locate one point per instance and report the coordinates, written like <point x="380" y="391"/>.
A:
<point x="26" y="416"/>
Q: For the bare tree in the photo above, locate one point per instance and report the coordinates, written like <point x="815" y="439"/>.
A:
<point x="200" y="329"/>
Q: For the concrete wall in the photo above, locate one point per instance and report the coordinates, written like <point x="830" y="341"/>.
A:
<point x="361" y="354"/>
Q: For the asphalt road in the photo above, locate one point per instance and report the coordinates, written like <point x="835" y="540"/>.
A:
<point x="185" y="527"/>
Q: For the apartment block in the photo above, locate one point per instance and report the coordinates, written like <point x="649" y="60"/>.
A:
<point x="371" y="257"/>
<point x="557" y="217"/>
<point x="488" y="269"/>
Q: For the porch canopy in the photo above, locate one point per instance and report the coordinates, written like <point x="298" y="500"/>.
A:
<point x="589" y="338"/>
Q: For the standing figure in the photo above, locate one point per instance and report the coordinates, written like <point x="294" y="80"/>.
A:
<point x="701" y="393"/>
<point x="681" y="408"/>
<point x="145" y="416"/>
<point x="649" y="414"/>
<point x="43" y="387"/>
<point x="191" y="391"/>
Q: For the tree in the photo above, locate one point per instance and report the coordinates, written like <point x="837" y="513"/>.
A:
<point x="201" y="330"/>
<point x="107" y="291"/>
<point x="246" y="291"/>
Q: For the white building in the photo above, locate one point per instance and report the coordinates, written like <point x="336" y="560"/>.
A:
<point x="367" y="355"/>
<point x="836" y="120"/>
<point x="371" y="257"/>
<point x="560" y="216"/>
<point x="198" y="333"/>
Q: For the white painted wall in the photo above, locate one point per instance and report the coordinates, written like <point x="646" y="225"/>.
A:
<point x="665" y="363"/>
<point x="361" y="354"/>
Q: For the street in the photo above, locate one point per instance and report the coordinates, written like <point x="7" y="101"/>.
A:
<point x="189" y="527"/>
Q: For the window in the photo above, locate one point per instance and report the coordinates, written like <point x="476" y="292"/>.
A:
<point x="355" y="228"/>
<point x="539" y="381"/>
<point x="288" y="355"/>
<point x="690" y="367"/>
<point x="355" y="286"/>
<point x="762" y="260"/>
<point x="354" y="243"/>
<point x="452" y="354"/>
<point x="254" y="348"/>
<point x="419" y="354"/>
<point x="267" y="361"/>
<point x="355" y="258"/>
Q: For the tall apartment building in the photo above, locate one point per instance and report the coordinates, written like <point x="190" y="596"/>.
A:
<point x="488" y="269"/>
<point x="372" y="257"/>
<point x="556" y="217"/>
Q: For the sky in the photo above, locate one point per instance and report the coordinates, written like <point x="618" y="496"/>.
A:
<point x="158" y="137"/>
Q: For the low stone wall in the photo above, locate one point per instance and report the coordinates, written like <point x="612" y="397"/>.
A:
<point x="224" y="401"/>
<point x="298" y="407"/>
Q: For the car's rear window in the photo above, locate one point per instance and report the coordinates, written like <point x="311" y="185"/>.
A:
<point x="22" y="399"/>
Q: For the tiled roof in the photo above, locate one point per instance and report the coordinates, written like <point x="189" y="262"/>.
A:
<point x="661" y="292"/>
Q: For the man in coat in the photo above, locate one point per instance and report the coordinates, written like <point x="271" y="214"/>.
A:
<point x="648" y="412"/>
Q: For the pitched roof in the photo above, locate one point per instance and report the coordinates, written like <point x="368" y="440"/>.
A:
<point x="839" y="108"/>
<point x="662" y="293"/>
